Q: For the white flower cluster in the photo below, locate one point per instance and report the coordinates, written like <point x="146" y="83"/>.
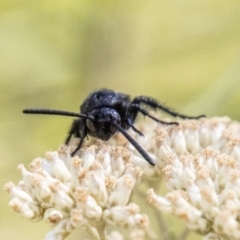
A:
<point x="88" y="191"/>
<point x="200" y="161"/>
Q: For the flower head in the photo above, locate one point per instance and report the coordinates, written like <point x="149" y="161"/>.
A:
<point x="199" y="161"/>
<point x="71" y="192"/>
<point x="202" y="175"/>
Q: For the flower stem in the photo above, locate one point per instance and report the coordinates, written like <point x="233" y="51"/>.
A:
<point x="101" y="230"/>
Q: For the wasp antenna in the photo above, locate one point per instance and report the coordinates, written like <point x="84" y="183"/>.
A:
<point x="55" y="112"/>
<point x="135" y="144"/>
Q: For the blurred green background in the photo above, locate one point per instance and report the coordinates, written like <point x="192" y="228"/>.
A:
<point x="53" y="53"/>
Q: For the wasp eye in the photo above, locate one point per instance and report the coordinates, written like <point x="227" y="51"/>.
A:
<point x="91" y="126"/>
<point x="98" y="96"/>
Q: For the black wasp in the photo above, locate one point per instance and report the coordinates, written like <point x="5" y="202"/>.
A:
<point x="105" y="112"/>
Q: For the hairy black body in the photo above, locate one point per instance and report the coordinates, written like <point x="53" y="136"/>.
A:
<point x="105" y="112"/>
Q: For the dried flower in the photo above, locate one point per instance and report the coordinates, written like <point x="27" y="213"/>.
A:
<point x="199" y="161"/>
